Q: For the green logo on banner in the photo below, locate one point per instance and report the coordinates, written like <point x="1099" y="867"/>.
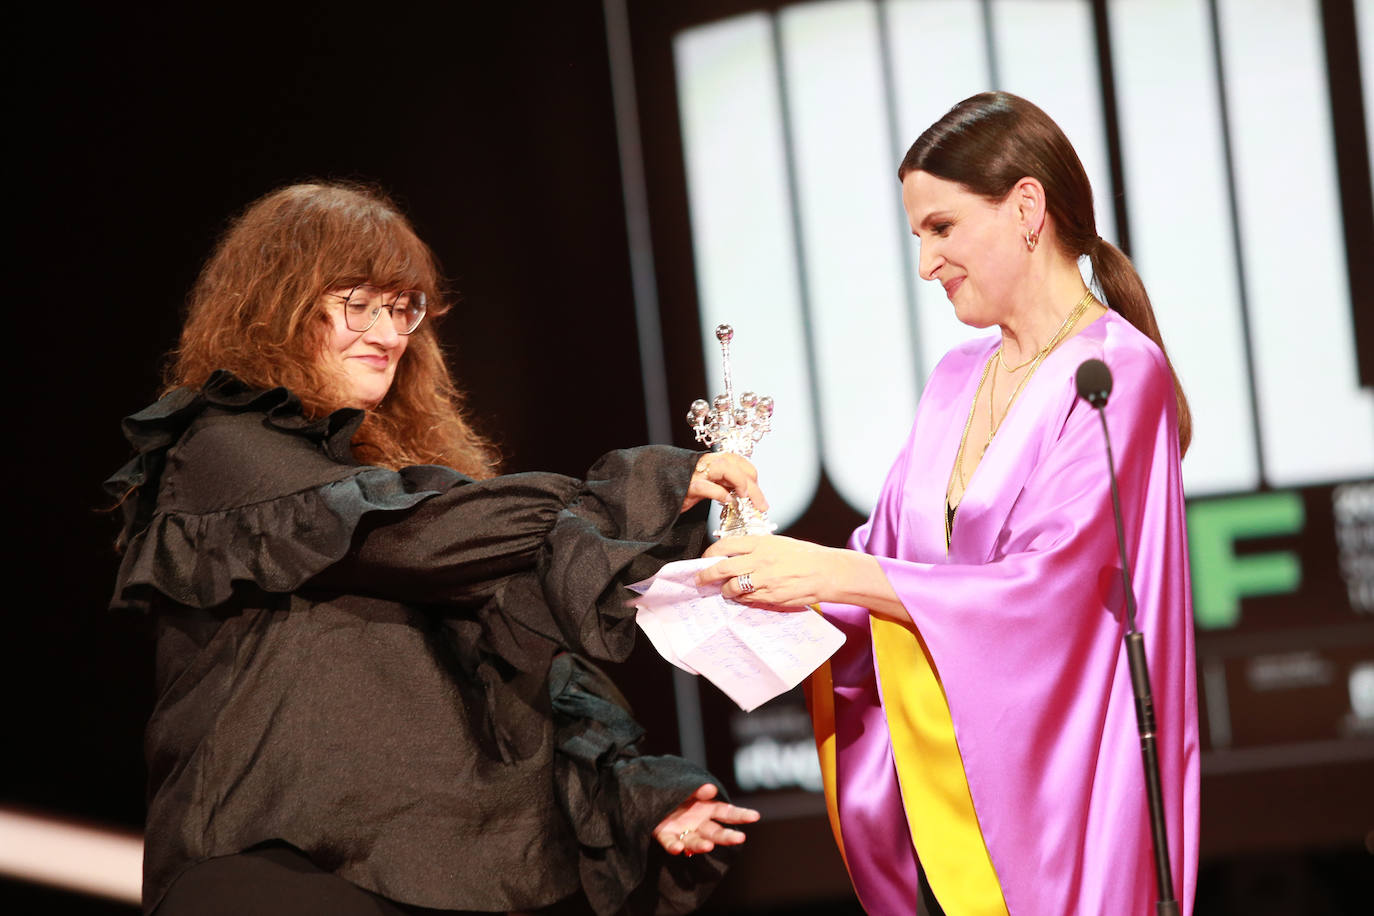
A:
<point x="1220" y="577"/>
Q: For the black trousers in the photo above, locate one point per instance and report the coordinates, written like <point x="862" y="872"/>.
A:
<point x="275" y="880"/>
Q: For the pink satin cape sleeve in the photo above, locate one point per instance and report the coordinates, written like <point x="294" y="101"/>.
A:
<point x="1022" y="621"/>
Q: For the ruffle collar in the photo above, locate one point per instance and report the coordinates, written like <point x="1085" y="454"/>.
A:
<point x="155" y="429"/>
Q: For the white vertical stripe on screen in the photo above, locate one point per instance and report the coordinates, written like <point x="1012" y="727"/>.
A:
<point x="1316" y="424"/>
<point x="1047" y="52"/>
<point x="1181" y="232"/>
<point x="865" y="367"/>
<point x="743" y="239"/>
<point x="1364" y="34"/>
<point x="939" y="57"/>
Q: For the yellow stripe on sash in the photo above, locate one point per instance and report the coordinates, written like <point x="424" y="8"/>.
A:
<point x="930" y="770"/>
<point x="820" y="696"/>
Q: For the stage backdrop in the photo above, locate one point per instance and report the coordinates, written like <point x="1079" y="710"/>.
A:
<point x="1226" y="138"/>
<point x="1228" y="146"/>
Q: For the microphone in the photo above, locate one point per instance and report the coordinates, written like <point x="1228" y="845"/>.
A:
<point x="1094" y="382"/>
<point x="1094" y="386"/>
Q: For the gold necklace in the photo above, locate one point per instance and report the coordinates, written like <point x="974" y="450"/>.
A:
<point x="1069" y="322"/>
<point x="1074" y="314"/>
<point x="1072" y="319"/>
<point x="959" y="456"/>
<point x="1012" y="369"/>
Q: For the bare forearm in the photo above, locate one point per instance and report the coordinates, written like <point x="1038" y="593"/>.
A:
<point x="790" y="573"/>
<point x="859" y="579"/>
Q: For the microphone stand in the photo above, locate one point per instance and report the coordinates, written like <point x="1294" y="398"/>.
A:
<point x="1166" y="905"/>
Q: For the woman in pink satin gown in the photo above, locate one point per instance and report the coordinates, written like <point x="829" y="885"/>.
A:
<point x="977" y="730"/>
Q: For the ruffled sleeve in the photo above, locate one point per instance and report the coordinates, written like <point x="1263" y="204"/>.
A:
<point x="234" y="488"/>
<point x="235" y="496"/>
<point x="237" y="501"/>
<point x="518" y="567"/>
<point x="614" y="798"/>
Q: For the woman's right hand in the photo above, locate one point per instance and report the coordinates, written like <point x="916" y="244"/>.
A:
<point x="720" y="475"/>
<point x="785" y="572"/>
<point x="701" y="823"/>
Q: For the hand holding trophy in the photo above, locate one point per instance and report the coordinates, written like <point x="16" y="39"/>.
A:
<point x="751" y="653"/>
<point x="726" y="426"/>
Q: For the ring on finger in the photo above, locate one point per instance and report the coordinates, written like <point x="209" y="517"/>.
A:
<point x="746" y="584"/>
<point x="681" y="837"/>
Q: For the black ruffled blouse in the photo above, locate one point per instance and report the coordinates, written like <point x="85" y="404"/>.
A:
<point x="361" y="662"/>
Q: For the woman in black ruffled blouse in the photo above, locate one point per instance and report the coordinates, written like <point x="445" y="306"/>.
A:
<point x="371" y="690"/>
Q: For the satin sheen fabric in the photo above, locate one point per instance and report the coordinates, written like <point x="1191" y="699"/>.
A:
<point x="1023" y="620"/>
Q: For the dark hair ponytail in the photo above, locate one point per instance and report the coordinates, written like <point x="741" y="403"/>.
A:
<point x="989" y="142"/>
<point x="1116" y="277"/>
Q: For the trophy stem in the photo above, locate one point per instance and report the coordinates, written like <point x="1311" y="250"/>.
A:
<point x="725" y="358"/>
<point x="729" y="426"/>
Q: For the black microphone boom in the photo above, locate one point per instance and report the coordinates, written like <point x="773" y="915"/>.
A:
<point x="1094" y="386"/>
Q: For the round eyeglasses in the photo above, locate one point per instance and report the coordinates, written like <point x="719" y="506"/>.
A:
<point x="364" y="303"/>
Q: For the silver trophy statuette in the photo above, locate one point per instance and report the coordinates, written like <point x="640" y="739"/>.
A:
<point x="725" y="425"/>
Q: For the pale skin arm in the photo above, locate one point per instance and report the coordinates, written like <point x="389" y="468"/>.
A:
<point x="699" y="824"/>
<point x="789" y="573"/>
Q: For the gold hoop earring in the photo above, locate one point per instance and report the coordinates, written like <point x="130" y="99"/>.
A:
<point x="1032" y="239"/>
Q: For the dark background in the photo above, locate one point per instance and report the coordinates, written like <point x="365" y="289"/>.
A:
<point x="139" y="130"/>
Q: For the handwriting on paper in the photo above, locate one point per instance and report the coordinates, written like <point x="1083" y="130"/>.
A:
<point x="751" y="653"/>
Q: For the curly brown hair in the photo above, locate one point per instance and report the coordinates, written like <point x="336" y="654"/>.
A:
<point x="257" y="309"/>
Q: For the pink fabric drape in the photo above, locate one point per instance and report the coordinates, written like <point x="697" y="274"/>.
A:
<point x="1024" y="620"/>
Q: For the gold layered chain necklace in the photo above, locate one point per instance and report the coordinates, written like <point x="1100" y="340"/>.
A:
<point x="1034" y="362"/>
<point x="993" y="422"/>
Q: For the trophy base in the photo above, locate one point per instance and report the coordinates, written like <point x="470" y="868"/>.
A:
<point x="740" y="517"/>
<point x="724" y="532"/>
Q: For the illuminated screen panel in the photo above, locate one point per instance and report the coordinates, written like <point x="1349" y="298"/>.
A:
<point x="851" y="230"/>
<point x="1182" y="235"/>
<point x="743" y="237"/>
<point x="1316" y="423"/>
<point x="1231" y="192"/>
<point x="1044" y="50"/>
<point x="938" y="51"/>
<point x="1364" y="27"/>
